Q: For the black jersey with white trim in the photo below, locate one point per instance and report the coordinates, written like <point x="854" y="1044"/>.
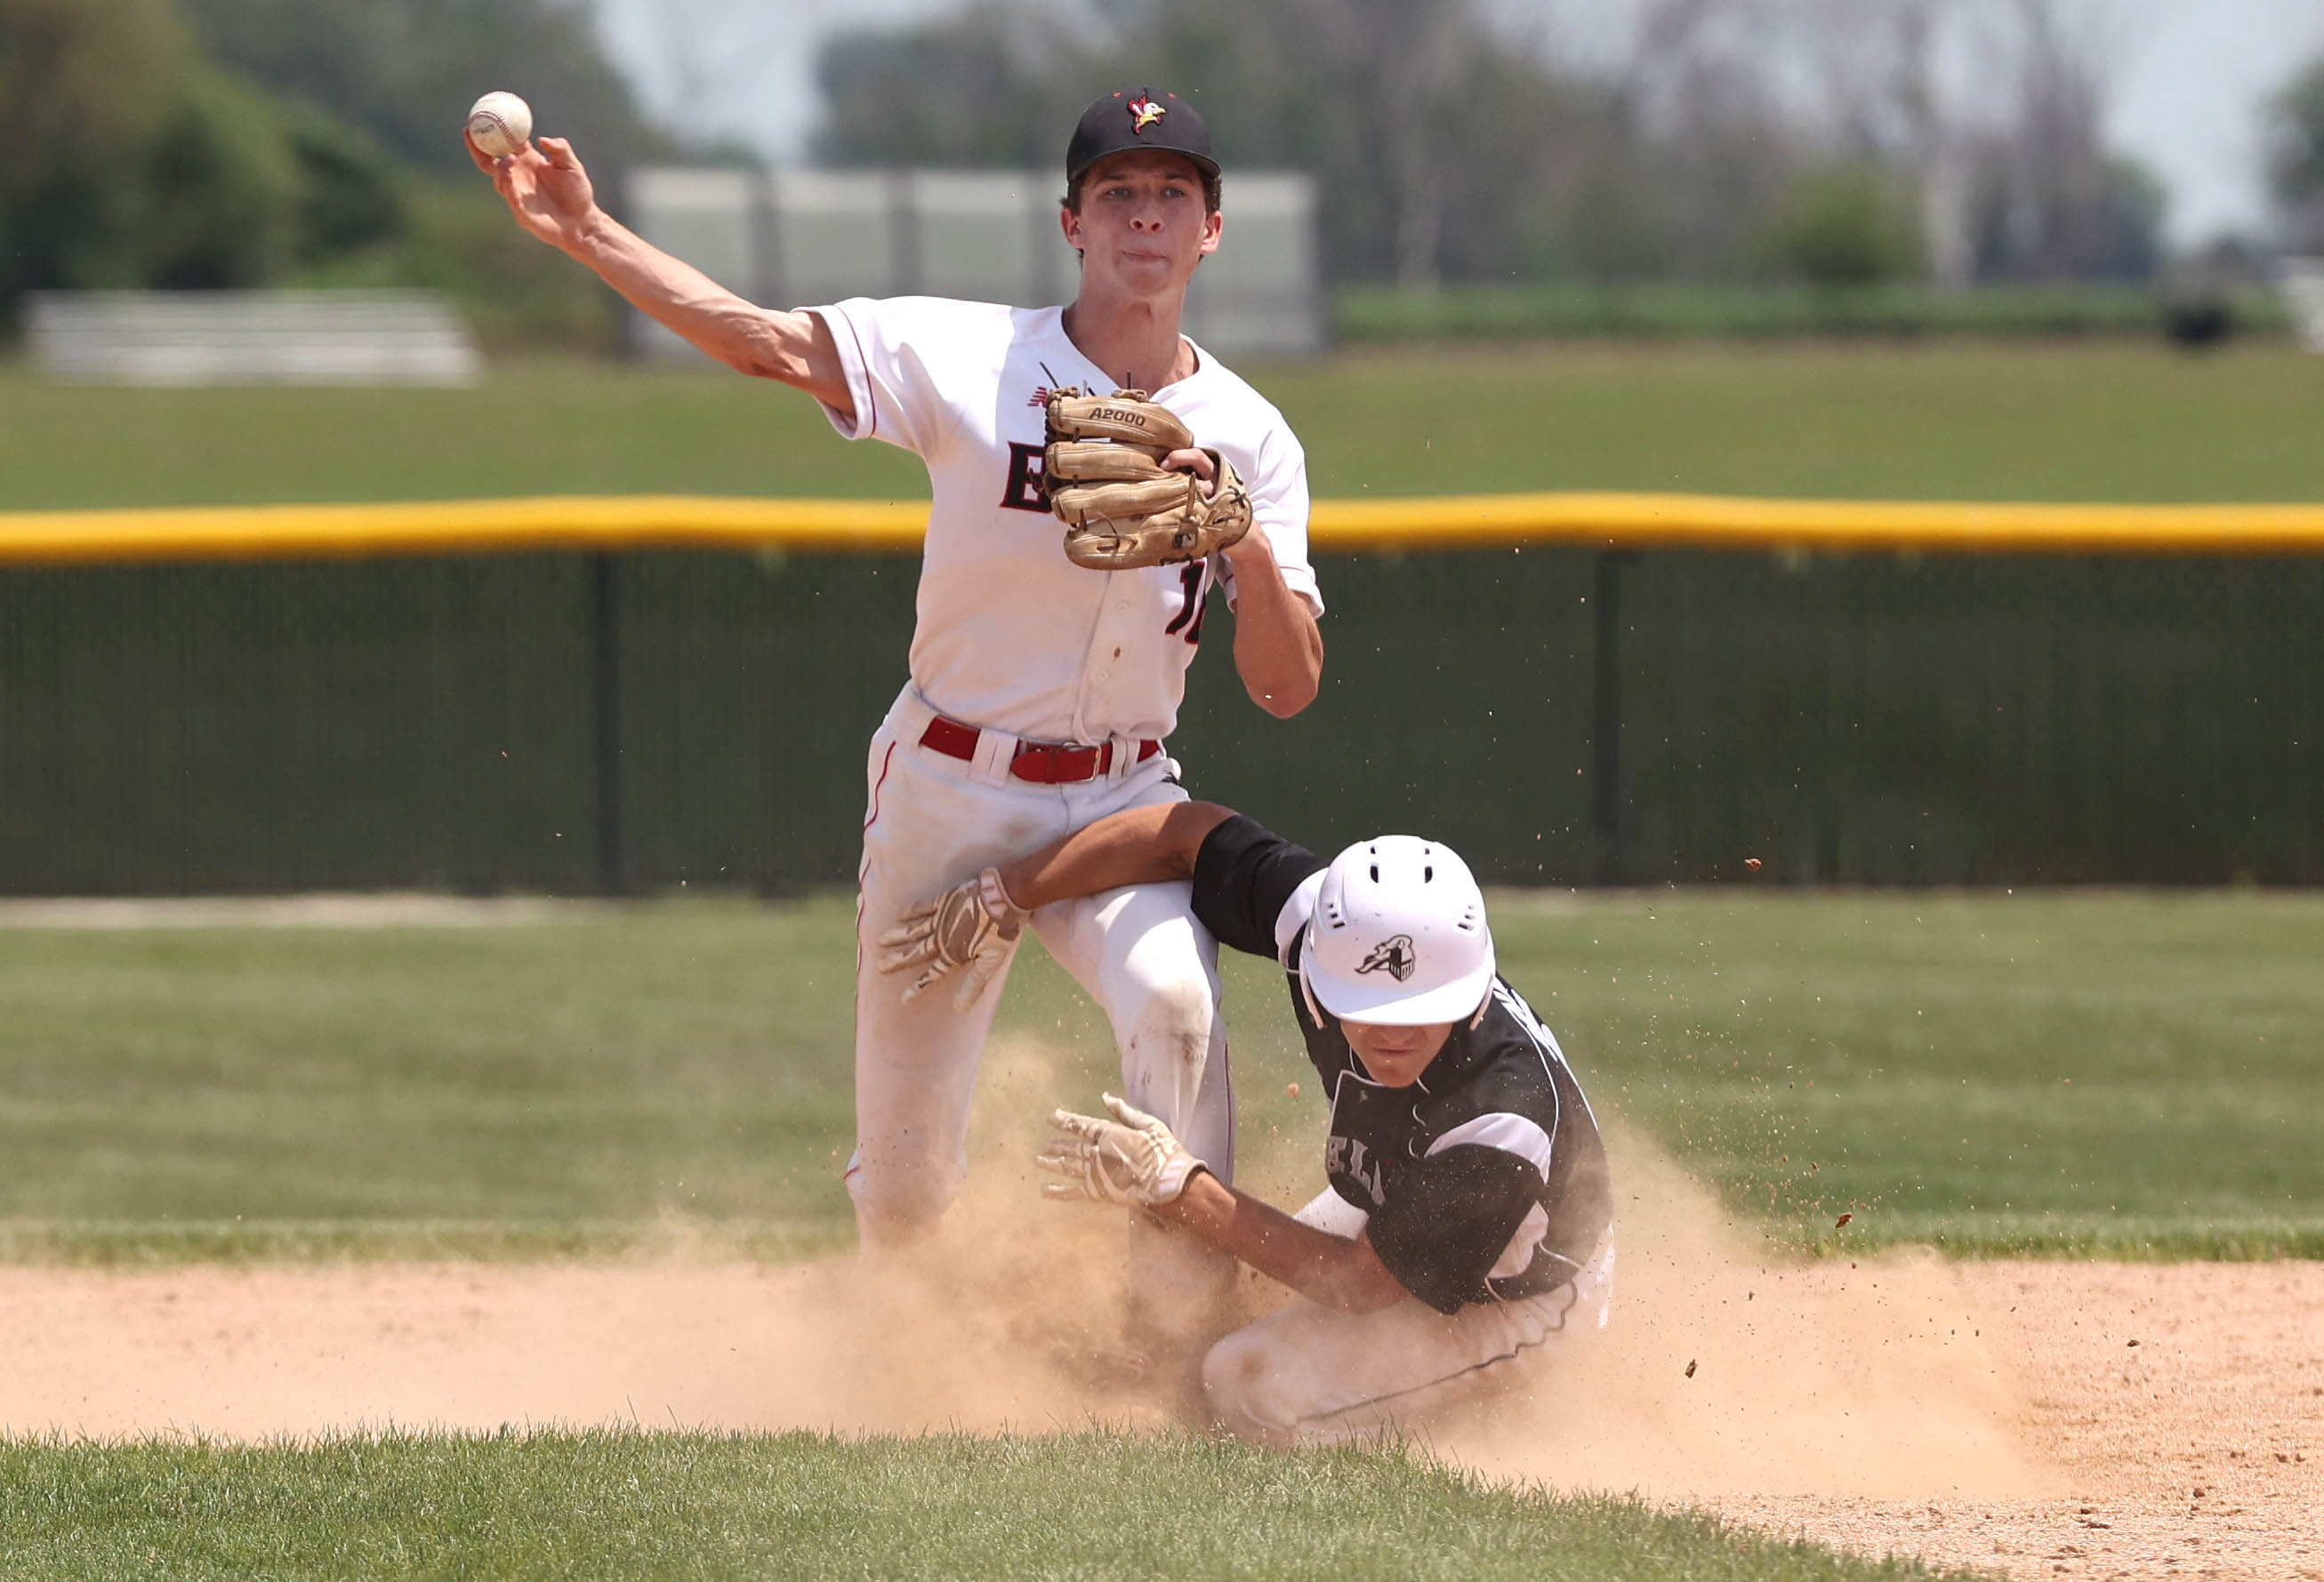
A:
<point x="1485" y="1180"/>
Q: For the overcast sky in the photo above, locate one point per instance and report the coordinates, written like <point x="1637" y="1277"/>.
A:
<point x="2188" y="102"/>
<point x="2190" y="76"/>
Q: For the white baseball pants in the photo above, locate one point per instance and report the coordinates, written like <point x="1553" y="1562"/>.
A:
<point x="932" y="821"/>
<point x="1309" y="1376"/>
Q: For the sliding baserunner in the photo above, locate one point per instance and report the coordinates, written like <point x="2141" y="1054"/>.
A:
<point x="1469" y="1219"/>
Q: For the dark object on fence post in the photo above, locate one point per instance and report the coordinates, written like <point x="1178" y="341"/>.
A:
<point x="2200" y="322"/>
<point x="1606" y="722"/>
<point x="604" y="644"/>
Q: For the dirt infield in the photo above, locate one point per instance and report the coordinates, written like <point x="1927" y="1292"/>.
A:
<point x="2042" y="1419"/>
<point x="2178" y="1408"/>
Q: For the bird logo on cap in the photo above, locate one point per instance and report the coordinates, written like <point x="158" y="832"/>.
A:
<point x="1144" y="113"/>
<point x="1394" y="957"/>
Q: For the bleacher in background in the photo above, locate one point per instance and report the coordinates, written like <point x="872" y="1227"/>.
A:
<point x="251" y="337"/>
<point x="796" y="237"/>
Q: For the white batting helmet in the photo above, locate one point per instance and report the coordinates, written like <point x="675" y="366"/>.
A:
<point x="1398" y="935"/>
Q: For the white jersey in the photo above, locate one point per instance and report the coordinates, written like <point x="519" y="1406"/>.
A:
<point x="1013" y="636"/>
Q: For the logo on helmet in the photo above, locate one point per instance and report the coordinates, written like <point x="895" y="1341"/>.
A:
<point x="1144" y="113"/>
<point x="1393" y="957"/>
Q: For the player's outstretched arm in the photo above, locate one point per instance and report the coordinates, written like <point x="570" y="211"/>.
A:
<point x="970" y="928"/>
<point x="1128" y="1156"/>
<point x="1137" y="846"/>
<point x="1345" y="1275"/>
<point x="551" y="196"/>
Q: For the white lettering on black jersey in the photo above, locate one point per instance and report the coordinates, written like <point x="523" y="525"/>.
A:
<point x="1485" y="1180"/>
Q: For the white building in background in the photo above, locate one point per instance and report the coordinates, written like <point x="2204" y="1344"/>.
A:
<point x="191" y="338"/>
<point x="793" y="237"/>
<point x="2302" y="279"/>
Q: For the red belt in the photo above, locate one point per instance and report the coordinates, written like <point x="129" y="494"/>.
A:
<point x="1037" y="761"/>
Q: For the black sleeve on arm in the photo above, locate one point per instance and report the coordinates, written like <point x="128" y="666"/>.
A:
<point x="1451" y="1220"/>
<point x="1244" y="875"/>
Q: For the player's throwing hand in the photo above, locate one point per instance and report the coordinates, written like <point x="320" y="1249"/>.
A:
<point x="970" y="926"/>
<point x="544" y="188"/>
<point x="1132" y="1159"/>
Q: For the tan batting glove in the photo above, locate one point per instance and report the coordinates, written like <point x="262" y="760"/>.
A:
<point x="969" y="929"/>
<point x="1132" y="1159"/>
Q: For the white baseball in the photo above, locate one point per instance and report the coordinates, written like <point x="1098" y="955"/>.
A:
<point x="500" y="123"/>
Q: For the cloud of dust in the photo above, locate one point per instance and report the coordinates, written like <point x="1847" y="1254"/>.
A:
<point x="1727" y="1370"/>
<point x="1009" y="1315"/>
<point x="1831" y="1378"/>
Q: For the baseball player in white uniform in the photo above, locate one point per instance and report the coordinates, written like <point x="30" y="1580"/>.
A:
<point x="1469" y="1219"/>
<point x="1042" y="693"/>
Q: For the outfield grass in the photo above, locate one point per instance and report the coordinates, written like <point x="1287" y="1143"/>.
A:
<point x="2116" y="1073"/>
<point x="699" y="1506"/>
<point x="401" y="1089"/>
<point x="2130" y="1074"/>
<point x="1953" y="421"/>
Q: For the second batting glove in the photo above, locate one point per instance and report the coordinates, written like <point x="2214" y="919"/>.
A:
<point x="970" y="929"/>
<point x="1132" y="1159"/>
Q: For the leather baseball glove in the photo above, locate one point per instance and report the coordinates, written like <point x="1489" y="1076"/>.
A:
<point x="1123" y="508"/>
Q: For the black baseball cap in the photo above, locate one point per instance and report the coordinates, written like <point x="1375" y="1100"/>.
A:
<point x="1133" y="119"/>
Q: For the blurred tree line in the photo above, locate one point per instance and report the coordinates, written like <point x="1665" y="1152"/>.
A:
<point x="224" y="143"/>
<point x="2295" y="158"/>
<point x="1830" y="141"/>
<point x="206" y="144"/>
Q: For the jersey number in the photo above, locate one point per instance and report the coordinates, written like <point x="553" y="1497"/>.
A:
<point x="1192" y="575"/>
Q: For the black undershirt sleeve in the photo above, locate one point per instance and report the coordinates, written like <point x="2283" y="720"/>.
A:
<point x="1244" y="876"/>
<point x="1449" y="1218"/>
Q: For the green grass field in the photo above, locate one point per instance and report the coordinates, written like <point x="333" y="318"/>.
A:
<point x="2132" y="1074"/>
<point x="1952" y="421"/>
<point x="683" y="1505"/>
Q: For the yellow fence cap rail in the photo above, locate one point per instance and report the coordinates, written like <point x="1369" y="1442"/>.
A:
<point x="457" y="527"/>
<point x="1712" y="521"/>
<point x="1481" y="521"/>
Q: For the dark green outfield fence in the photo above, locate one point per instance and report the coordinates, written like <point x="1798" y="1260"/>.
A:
<point x="624" y="721"/>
